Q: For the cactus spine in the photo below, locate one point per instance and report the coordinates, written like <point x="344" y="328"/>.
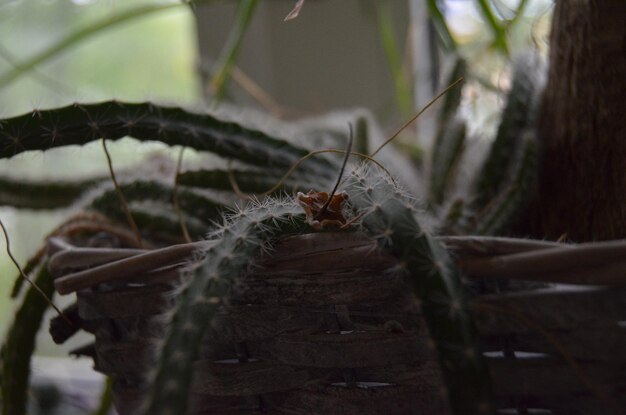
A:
<point x="389" y="215"/>
<point x="237" y="240"/>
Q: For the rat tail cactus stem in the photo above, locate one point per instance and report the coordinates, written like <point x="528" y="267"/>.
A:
<point x="390" y="216"/>
<point x="498" y="216"/>
<point x="20" y="344"/>
<point x="241" y="236"/>
<point x="83" y="123"/>
<point x="518" y="117"/>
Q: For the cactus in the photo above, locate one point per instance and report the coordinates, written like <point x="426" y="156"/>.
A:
<point x="159" y="195"/>
<point x="31" y="265"/>
<point x="42" y="195"/>
<point x="389" y="216"/>
<point x="453" y="217"/>
<point x="20" y="344"/>
<point x="518" y="116"/>
<point x="502" y="184"/>
<point x="80" y="124"/>
<point x="449" y="141"/>
<point x="242" y="234"/>
<point x="445" y="159"/>
<point x="452" y="100"/>
<point x="498" y="216"/>
<point x="30" y="194"/>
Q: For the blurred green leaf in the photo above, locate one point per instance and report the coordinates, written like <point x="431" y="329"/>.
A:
<point x="230" y="51"/>
<point x="447" y="40"/>
<point x="106" y="399"/>
<point x="74" y="38"/>
<point x="386" y="28"/>
<point x="19" y="345"/>
<point x="498" y="30"/>
<point x="519" y="12"/>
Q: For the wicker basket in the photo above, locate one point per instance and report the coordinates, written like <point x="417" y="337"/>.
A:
<point x="321" y="326"/>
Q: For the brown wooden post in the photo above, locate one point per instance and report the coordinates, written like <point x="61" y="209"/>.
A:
<point x="582" y="186"/>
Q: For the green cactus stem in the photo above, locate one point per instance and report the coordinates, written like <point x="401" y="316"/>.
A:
<point x="518" y="116"/>
<point x="20" y="344"/>
<point x="445" y="159"/>
<point x="161" y="224"/>
<point x="42" y="195"/>
<point x="153" y="211"/>
<point x="228" y="56"/>
<point x="191" y="202"/>
<point x="390" y="216"/>
<point x="236" y="241"/>
<point x="453" y="98"/>
<point x="450" y="139"/>
<point x="453" y="217"/>
<point x="500" y="214"/>
<point x="45" y="194"/>
<point x="83" y="123"/>
<point x="32" y="264"/>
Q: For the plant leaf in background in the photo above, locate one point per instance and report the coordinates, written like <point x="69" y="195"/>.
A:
<point x="228" y="56"/>
<point x="75" y="38"/>
<point x="516" y="14"/>
<point x="438" y="19"/>
<point x="19" y="344"/>
<point x="498" y="30"/>
<point x="45" y="80"/>
<point x="402" y="86"/>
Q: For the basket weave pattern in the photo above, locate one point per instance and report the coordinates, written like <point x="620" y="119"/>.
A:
<point x="321" y="326"/>
<point x="317" y="326"/>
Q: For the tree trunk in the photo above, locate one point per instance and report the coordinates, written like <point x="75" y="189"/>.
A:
<point x="582" y="182"/>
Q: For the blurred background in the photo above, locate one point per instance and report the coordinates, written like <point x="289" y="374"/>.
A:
<point x="388" y="56"/>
